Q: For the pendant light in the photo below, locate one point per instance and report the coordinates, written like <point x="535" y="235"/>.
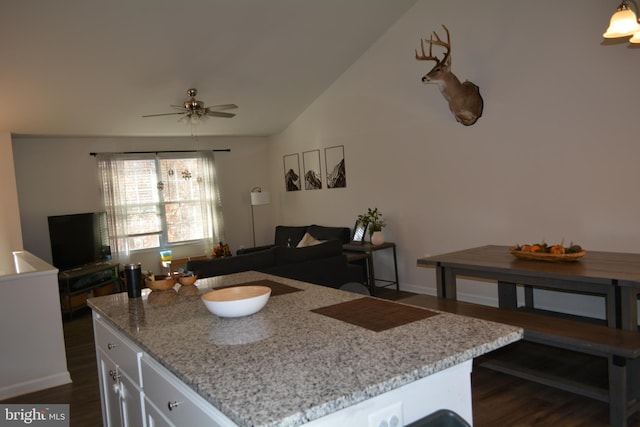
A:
<point x="623" y="23"/>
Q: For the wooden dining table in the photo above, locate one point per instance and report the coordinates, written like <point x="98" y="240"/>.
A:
<point x="612" y="275"/>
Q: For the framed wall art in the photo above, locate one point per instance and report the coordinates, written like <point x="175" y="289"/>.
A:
<point x="312" y="173"/>
<point x="335" y="169"/>
<point x="292" y="172"/>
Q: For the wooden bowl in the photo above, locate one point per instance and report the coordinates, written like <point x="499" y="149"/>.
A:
<point x="187" y="280"/>
<point x="161" y="282"/>
<point x="237" y="301"/>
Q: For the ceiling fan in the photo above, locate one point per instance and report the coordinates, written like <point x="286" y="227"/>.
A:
<point x="194" y="110"/>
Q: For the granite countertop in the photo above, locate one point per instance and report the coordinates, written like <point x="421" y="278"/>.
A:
<point x="287" y="365"/>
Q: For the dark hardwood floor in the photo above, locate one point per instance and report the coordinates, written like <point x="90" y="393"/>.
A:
<point x="498" y="399"/>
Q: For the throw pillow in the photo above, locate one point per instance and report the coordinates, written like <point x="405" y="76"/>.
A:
<point x="288" y="235"/>
<point x="308" y="240"/>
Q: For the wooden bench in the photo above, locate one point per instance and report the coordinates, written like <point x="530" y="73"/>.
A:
<point x="620" y="348"/>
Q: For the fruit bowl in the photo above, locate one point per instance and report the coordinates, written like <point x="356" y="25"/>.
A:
<point x="237" y="301"/>
<point x="544" y="256"/>
<point x="160" y="282"/>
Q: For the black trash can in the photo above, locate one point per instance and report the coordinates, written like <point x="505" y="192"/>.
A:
<point x="441" y="418"/>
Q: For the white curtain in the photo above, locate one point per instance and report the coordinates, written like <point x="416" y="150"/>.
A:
<point x="111" y="174"/>
<point x="211" y="201"/>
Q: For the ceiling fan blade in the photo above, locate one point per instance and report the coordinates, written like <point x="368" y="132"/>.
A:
<point x="163" y="114"/>
<point x="222" y="107"/>
<point x="179" y="107"/>
<point x="220" y="114"/>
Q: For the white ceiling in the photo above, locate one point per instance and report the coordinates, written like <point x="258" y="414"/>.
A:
<point x="94" y="67"/>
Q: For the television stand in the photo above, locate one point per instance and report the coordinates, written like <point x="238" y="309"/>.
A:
<point x="78" y="284"/>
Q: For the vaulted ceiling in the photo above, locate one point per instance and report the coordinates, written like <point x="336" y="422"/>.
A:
<point x="94" y="67"/>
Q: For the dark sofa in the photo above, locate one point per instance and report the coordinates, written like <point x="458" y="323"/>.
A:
<point x="290" y="236"/>
<point x="322" y="264"/>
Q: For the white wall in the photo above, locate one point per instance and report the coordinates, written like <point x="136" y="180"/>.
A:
<point x="555" y="155"/>
<point x="57" y="176"/>
<point x="10" y="236"/>
<point x="33" y="353"/>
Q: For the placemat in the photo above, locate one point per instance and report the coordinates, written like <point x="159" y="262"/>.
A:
<point x="374" y="314"/>
<point x="276" y="287"/>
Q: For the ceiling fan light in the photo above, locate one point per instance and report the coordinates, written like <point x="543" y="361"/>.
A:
<point x="623" y="23"/>
<point x="635" y="38"/>
<point x="194" y="112"/>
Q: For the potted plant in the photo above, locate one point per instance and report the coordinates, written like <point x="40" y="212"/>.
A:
<point x="373" y="219"/>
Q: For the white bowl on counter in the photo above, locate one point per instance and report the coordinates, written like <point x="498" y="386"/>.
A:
<point x="237" y="301"/>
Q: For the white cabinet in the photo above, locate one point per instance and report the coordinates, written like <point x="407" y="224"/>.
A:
<point x="119" y="374"/>
<point x="111" y="413"/>
<point x="119" y="348"/>
<point x="137" y="391"/>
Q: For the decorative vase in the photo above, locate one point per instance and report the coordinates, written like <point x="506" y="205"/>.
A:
<point x="377" y="238"/>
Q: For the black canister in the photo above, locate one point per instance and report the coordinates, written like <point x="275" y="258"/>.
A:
<point x="133" y="279"/>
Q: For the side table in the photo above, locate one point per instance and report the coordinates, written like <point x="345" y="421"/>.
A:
<point x="367" y="249"/>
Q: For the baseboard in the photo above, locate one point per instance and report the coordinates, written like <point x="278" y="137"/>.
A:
<point x="37" y="384"/>
<point x="417" y="289"/>
<point x="478" y="299"/>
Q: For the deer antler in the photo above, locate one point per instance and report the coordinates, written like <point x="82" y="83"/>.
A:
<point x="437" y="42"/>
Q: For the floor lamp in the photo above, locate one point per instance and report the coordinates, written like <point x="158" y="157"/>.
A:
<point x="258" y="197"/>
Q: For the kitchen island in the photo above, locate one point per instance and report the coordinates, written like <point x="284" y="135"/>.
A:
<point x="313" y="355"/>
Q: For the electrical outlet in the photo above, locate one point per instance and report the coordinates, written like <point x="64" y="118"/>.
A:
<point x="389" y="416"/>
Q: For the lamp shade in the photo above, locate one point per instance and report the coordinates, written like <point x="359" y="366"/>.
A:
<point x="260" y="198"/>
<point x="623" y="23"/>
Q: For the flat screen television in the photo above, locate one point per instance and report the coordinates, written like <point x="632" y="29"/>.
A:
<point x="79" y="239"/>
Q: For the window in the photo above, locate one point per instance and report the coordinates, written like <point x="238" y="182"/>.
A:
<point x="156" y="201"/>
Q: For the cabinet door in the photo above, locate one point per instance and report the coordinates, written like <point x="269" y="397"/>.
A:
<point x="110" y="391"/>
<point x="130" y="402"/>
<point x="153" y="417"/>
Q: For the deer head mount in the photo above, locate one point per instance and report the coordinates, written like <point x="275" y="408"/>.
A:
<point x="464" y="99"/>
